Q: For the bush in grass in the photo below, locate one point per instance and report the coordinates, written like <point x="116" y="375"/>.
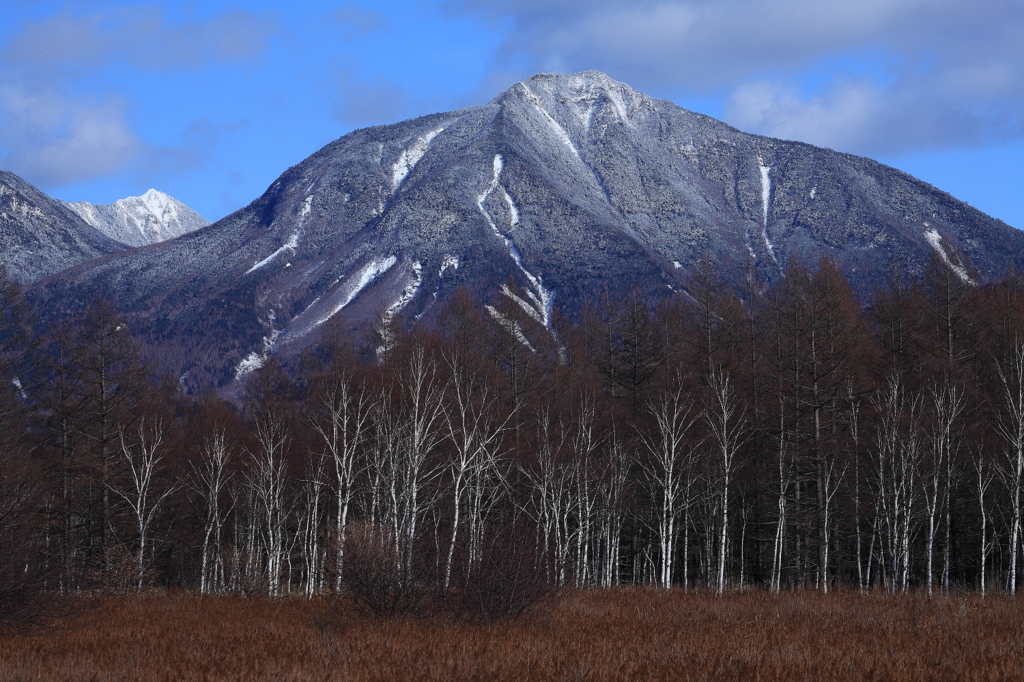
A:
<point x="377" y="581"/>
<point x="508" y="582"/>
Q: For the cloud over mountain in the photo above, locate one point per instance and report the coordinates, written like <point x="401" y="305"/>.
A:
<point x="559" y="188"/>
<point x="53" y="134"/>
<point x="891" y="75"/>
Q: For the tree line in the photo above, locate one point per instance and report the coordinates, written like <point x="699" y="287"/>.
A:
<point x="725" y="437"/>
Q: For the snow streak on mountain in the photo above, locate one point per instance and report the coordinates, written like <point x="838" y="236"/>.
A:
<point x="560" y="188"/>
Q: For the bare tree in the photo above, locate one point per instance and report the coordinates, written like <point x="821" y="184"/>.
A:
<point x="106" y="377"/>
<point x="210" y="478"/>
<point x="984" y="475"/>
<point x="475" y="433"/>
<point x="551" y="493"/>
<point x="898" y="453"/>
<point x="947" y="403"/>
<point x="628" y="350"/>
<point x="313" y="485"/>
<point x="422" y="391"/>
<point x="267" y="480"/>
<point x="142" y="460"/>
<point x="612" y="484"/>
<point x="28" y="585"/>
<point x="342" y="421"/>
<point x="729" y="431"/>
<point x="669" y="468"/>
<point x="584" y="443"/>
<point x="1010" y="427"/>
<point x="854" y="417"/>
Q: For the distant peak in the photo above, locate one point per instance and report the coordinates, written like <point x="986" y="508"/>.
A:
<point x="155" y="200"/>
<point x="138" y="220"/>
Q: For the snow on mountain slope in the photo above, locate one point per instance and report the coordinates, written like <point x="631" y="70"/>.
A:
<point x="138" y="221"/>
<point x="560" y="189"/>
<point x="39" y="236"/>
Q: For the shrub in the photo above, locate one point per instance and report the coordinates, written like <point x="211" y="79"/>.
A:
<point x="507" y="583"/>
<point x="377" y="582"/>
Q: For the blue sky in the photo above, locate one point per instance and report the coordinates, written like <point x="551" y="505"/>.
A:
<point x="211" y="101"/>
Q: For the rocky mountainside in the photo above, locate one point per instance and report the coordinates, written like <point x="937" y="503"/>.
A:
<point x="138" y="221"/>
<point x="569" y="184"/>
<point x="39" y="235"/>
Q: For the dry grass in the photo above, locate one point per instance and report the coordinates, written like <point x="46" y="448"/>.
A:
<point x="602" y="635"/>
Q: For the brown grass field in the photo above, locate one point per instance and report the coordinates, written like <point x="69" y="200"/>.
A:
<point x="622" y="634"/>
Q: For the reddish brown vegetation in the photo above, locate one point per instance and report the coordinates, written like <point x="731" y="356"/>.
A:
<point x="636" y="633"/>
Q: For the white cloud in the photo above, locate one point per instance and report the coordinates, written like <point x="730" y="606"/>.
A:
<point x="868" y="117"/>
<point x="52" y="140"/>
<point x="953" y="72"/>
<point x="140" y="36"/>
<point x="52" y="135"/>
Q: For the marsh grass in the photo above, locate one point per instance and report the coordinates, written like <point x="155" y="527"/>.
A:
<point x="596" y="635"/>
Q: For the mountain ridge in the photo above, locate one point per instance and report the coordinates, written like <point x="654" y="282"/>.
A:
<point x="567" y="184"/>
<point x="138" y="221"/>
<point x="40" y="236"/>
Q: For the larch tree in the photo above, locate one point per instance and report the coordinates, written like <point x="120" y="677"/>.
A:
<point x="106" y="383"/>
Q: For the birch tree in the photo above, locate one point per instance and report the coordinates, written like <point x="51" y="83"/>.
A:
<point x="1010" y="428"/>
<point x="551" y="484"/>
<point x="342" y="420"/>
<point x="947" y="405"/>
<point x="313" y="485"/>
<point x="984" y="476"/>
<point x="210" y="478"/>
<point x="669" y="468"/>
<point x="613" y="481"/>
<point x="898" y="449"/>
<point x="267" y="481"/>
<point x="475" y="432"/>
<point x="728" y="429"/>
<point x="584" y="444"/>
<point x="422" y="390"/>
<point x="142" y="460"/>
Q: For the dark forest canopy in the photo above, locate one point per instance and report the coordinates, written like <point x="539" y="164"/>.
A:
<point x="772" y="438"/>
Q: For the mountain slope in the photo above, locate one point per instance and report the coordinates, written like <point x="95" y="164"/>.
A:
<point x="40" y="235"/>
<point x="138" y="221"/>
<point x="569" y="184"/>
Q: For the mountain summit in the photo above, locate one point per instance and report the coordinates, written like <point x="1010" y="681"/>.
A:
<point x="569" y="184"/>
<point x="138" y="221"/>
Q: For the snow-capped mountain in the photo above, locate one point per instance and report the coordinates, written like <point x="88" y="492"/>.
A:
<point x="39" y="235"/>
<point x="138" y="221"/>
<point x="568" y="184"/>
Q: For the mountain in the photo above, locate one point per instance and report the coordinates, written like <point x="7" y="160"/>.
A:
<point x="40" y="235"/>
<point x="138" y="221"/>
<point x="570" y="185"/>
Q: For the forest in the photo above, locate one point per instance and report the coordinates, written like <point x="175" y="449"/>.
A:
<point x="730" y="438"/>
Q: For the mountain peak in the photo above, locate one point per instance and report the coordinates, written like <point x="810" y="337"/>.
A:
<point x="581" y="80"/>
<point x="564" y="186"/>
<point x="137" y="221"/>
<point x="578" y="95"/>
<point x="155" y="200"/>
